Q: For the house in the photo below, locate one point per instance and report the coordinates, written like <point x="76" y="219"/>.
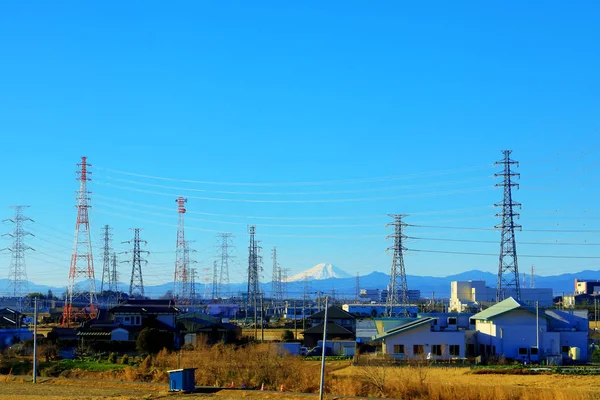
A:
<point x="378" y="310"/>
<point x="196" y="325"/>
<point x="515" y="330"/>
<point x="340" y="325"/>
<point x="125" y="321"/>
<point x="13" y="326"/>
<point x="417" y="338"/>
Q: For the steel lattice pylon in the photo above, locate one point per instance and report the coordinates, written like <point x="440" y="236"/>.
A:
<point x="106" y="284"/>
<point x="225" y="255"/>
<point x="181" y="292"/>
<point x="18" y="286"/>
<point x="508" y="269"/>
<point x="398" y="288"/>
<point x="82" y="283"/>
<point x="136" y="284"/>
<point x="254" y="268"/>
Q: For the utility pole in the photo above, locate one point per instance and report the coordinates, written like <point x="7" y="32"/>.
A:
<point x="398" y="288"/>
<point x="295" y="322"/>
<point x="181" y="273"/>
<point x="322" y="385"/>
<point x="106" y="249"/>
<point x="193" y="276"/>
<point x="262" y="319"/>
<point x="17" y="273"/>
<point x="136" y="284"/>
<point x="35" y="317"/>
<point x="508" y="269"/>
<point x="82" y="281"/>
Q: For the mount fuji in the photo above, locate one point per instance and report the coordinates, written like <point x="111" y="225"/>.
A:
<point x="320" y="272"/>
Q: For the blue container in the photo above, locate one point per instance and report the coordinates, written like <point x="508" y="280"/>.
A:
<point x="182" y="380"/>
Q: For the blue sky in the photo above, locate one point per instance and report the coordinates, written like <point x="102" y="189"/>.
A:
<point x="288" y="112"/>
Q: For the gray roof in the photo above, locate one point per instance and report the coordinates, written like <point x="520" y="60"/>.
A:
<point x="503" y="307"/>
<point x="404" y="328"/>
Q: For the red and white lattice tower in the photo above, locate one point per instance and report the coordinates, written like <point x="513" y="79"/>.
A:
<point x="81" y="292"/>
<point x="181" y="290"/>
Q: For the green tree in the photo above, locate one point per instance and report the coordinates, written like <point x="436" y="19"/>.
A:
<point x="152" y="340"/>
<point x="287" y="335"/>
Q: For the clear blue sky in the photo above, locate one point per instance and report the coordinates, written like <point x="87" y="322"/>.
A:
<point x="273" y="93"/>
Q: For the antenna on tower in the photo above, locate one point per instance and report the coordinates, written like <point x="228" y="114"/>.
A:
<point x="136" y="284"/>
<point x="106" y="275"/>
<point x="17" y="273"/>
<point x="82" y="281"/>
<point x="181" y="273"/>
<point x="398" y="288"/>
<point x="508" y="269"/>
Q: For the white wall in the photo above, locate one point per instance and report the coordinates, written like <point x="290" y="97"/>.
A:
<point x="423" y="335"/>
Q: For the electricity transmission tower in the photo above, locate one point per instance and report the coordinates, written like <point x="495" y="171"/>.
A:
<point x="188" y="261"/>
<point x="136" y="284"/>
<point x="276" y="282"/>
<point x="215" y="288"/>
<point x="398" y="288"/>
<point x="106" y="274"/>
<point x="17" y="273"/>
<point x="357" y="293"/>
<point x="82" y="281"/>
<point x="114" y="280"/>
<point x="181" y="273"/>
<point x="226" y="247"/>
<point x="531" y="282"/>
<point x="254" y="268"/>
<point x="193" y="276"/>
<point x="508" y="269"/>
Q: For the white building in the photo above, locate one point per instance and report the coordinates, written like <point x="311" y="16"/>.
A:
<point x="466" y="295"/>
<point x="418" y="339"/>
<point x="506" y="329"/>
<point x="509" y="328"/>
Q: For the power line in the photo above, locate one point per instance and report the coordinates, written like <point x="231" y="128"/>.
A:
<point x="315" y="183"/>
<point x="496" y="255"/>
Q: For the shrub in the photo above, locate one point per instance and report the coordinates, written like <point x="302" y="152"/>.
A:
<point x="51" y="371"/>
<point x="112" y="358"/>
<point x="125" y="359"/>
<point x="287" y="335"/>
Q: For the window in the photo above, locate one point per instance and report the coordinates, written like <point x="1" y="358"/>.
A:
<point x="118" y="320"/>
<point x="534" y="351"/>
<point x="127" y="320"/>
<point x="471" y="321"/>
<point x="436" y="349"/>
<point x="398" y="349"/>
<point x="417" y="349"/>
<point x="138" y="320"/>
<point x="522" y="351"/>
<point x="470" y="349"/>
<point x="564" y="349"/>
<point x="451" y="321"/>
<point x="454" y="350"/>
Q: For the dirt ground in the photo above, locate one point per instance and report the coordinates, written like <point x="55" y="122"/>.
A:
<point x="71" y="389"/>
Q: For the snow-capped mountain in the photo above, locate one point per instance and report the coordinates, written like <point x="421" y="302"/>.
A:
<point x="320" y="272"/>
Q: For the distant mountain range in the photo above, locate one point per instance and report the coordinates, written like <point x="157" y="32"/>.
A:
<point x="346" y="286"/>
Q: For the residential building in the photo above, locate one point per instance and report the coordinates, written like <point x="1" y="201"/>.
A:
<point x="340" y="325"/>
<point x="585" y="286"/>
<point x="417" y="339"/>
<point x="515" y="330"/>
<point x="13" y="325"/>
